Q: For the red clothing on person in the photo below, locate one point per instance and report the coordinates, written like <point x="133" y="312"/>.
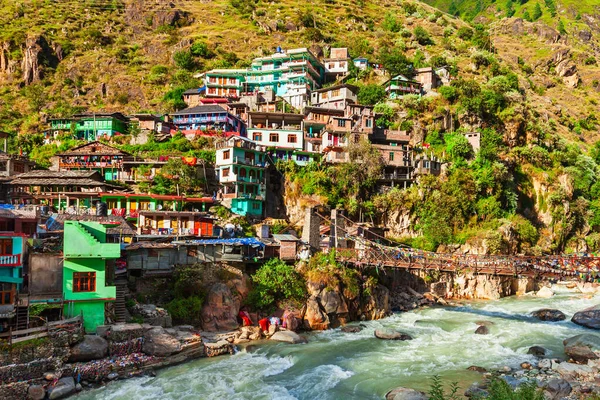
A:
<point x="264" y="324"/>
<point x="245" y="318"/>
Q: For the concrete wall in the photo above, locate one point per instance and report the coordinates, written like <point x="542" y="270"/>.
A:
<point x="45" y="273"/>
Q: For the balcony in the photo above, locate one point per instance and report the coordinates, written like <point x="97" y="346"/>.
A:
<point x="247" y="161"/>
<point x="92" y="164"/>
<point x="397" y="177"/>
<point x="10" y="260"/>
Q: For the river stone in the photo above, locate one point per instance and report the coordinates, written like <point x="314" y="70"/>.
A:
<point x="545" y="363"/>
<point x="124" y="332"/>
<point x="557" y="388"/>
<point x="160" y="344"/>
<point x="476" y="391"/>
<point x="112" y="376"/>
<point x="573" y="370"/>
<point x="545" y="292"/>
<point x="36" y="392"/>
<point x="484" y="323"/>
<point x="482" y="330"/>
<point x="589" y="318"/>
<point x="477" y="369"/>
<point x="64" y="387"/>
<point x="549" y="314"/>
<point x="537" y="351"/>
<point x="388" y="334"/>
<point x="288" y="337"/>
<point x="351" y="329"/>
<point x="402" y="393"/>
<point x="581" y="348"/>
<point x="91" y="348"/>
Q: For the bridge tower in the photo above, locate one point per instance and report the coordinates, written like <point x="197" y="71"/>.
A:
<point x="338" y="230"/>
<point x="311" y="230"/>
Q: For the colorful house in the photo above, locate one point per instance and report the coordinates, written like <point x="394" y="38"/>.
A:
<point x="400" y="85"/>
<point x="207" y="118"/>
<point x="91" y="126"/>
<point x="240" y="167"/>
<point x="11" y="266"/>
<point x="290" y="74"/>
<point x="85" y="288"/>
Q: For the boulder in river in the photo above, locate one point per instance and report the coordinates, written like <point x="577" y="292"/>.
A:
<point x="545" y="292"/>
<point x="402" y="393"/>
<point x="537" y="351"/>
<point x="589" y="318"/>
<point x="64" y="387"/>
<point x="549" y="314"/>
<point x="582" y="348"/>
<point x="388" y="334"/>
<point x="477" y="369"/>
<point x="351" y="329"/>
<point x="484" y="323"/>
<point x="90" y="348"/>
<point x="482" y="330"/>
<point x="288" y="337"/>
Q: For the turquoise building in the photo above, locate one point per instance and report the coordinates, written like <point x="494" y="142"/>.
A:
<point x="92" y="126"/>
<point x="12" y="247"/>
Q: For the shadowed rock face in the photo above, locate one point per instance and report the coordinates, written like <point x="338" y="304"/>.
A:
<point x="589" y="318"/>
<point x="219" y="312"/>
<point x="91" y="348"/>
<point x="548" y="314"/>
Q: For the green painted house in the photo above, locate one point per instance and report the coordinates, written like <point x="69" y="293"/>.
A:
<point x="11" y="269"/>
<point x="92" y="126"/>
<point x="84" y="271"/>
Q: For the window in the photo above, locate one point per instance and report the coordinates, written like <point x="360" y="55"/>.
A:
<point x="391" y="157"/>
<point x="274" y="137"/>
<point x="257" y="137"/>
<point x="225" y="172"/>
<point x="6" y="246"/>
<point x="6" y="297"/>
<point x="341" y="123"/>
<point x="369" y="123"/>
<point x="292" y="139"/>
<point x="256" y="206"/>
<point x="426" y="164"/>
<point x="226" y="154"/>
<point x="232" y="81"/>
<point x="335" y="93"/>
<point x="84" y="281"/>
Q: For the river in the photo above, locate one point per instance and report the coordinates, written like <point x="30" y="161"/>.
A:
<point x="337" y="365"/>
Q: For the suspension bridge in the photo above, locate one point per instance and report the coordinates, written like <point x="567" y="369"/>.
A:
<point x="380" y="253"/>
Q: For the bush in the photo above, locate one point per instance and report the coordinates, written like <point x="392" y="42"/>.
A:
<point x="184" y="60"/>
<point x="371" y="94"/>
<point x="465" y="33"/>
<point x="200" y="49"/>
<point x="449" y="93"/>
<point x="276" y="281"/>
<point x="422" y="36"/>
<point x="186" y="310"/>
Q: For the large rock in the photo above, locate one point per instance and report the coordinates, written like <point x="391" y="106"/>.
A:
<point x="545" y="293"/>
<point x="572" y="371"/>
<point x="315" y="318"/>
<point x="402" y="393"/>
<point x="333" y="302"/>
<point x="288" y="337"/>
<point x="549" y="314"/>
<point x="36" y="392"/>
<point x="388" y="334"/>
<point x="124" y="332"/>
<point x="91" y="348"/>
<point x="582" y="348"/>
<point x="537" y="351"/>
<point x="589" y="318"/>
<point x="557" y="388"/>
<point x="377" y="305"/>
<point x="63" y="388"/>
<point x="159" y="343"/>
<point x="482" y="330"/>
<point x="220" y="309"/>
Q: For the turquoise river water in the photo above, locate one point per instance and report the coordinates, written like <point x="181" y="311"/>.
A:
<point x="337" y="365"/>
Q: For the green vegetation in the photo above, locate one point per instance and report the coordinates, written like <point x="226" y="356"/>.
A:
<point x="188" y="295"/>
<point x="498" y="389"/>
<point x="276" y="281"/>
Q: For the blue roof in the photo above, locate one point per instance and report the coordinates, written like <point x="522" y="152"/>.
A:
<point x="232" y="242"/>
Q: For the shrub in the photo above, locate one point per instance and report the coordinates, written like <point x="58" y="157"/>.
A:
<point x="449" y="93"/>
<point x="200" y="49"/>
<point x="186" y="310"/>
<point x="422" y="36"/>
<point x="184" y="60"/>
<point x="371" y="94"/>
<point x="276" y="281"/>
<point x="465" y="33"/>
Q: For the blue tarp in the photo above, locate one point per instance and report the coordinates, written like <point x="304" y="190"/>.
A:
<point x="7" y="207"/>
<point x="232" y="242"/>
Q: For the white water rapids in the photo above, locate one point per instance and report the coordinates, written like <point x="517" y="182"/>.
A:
<point x="337" y="365"/>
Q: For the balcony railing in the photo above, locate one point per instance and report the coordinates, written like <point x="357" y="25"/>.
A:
<point x="10" y="260"/>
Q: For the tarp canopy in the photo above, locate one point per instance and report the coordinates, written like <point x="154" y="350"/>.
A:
<point x="230" y="242"/>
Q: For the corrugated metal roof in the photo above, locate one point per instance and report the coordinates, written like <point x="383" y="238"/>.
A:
<point x="285" y="238"/>
<point x="231" y="242"/>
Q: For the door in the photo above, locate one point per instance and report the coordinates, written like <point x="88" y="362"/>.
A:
<point x="6" y="246"/>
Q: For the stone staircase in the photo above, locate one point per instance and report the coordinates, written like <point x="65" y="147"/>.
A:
<point x="122" y="292"/>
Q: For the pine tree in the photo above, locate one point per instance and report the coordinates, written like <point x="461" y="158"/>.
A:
<point x="551" y="6"/>
<point x="510" y="9"/>
<point x="537" y="12"/>
<point x="561" y="27"/>
<point x="526" y="15"/>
